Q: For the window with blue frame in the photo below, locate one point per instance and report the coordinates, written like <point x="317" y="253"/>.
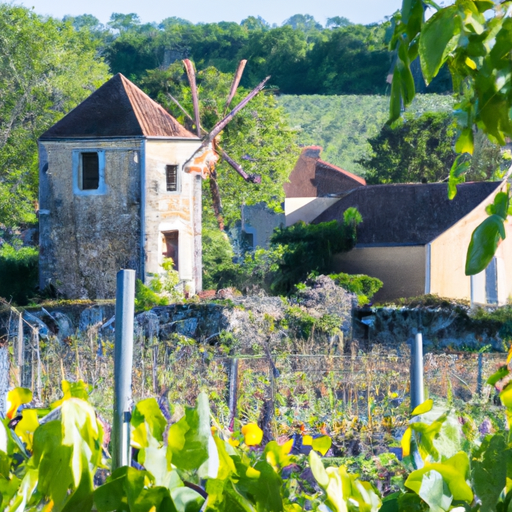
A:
<point x="89" y="172"/>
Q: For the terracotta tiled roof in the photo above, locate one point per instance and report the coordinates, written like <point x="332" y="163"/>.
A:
<point x="343" y="171"/>
<point x="312" y="177"/>
<point x="408" y="214"/>
<point x="117" y="109"/>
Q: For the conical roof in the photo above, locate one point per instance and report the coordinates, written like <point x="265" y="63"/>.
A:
<point x="117" y="109"/>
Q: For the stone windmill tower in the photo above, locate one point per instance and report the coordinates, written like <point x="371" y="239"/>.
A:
<point x="120" y="187"/>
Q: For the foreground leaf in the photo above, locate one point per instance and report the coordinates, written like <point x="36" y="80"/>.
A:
<point x="483" y="245"/>
<point x="490" y="473"/>
<point x="190" y="438"/>
<point x="454" y="472"/>
<point x="438" y="38"/>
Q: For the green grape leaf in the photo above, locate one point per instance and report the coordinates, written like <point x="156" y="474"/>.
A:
<point x="465" y="142"/>
<point x="490" y="473"/>
<point x="483" y="245"/>
<point x="15" y="398"/>
<point x="501" y="205"/>
<point x="454" y="472"/>
<point x="390" y="503"/>
<point x="395" y="104"/>
<point x="424" y="407"/>
<point x="226" y="464"/>
<point x="438" y="38"/>
<point x="224" y="497"/>
<point x="318" y="469"/>
<point x="54" y="462"/>
<point x="147" y="420"/>
<point x="263" y="484"/>
<point x="186" y="500"/>
<point x="27" y="487"/>
<point x="457" y="172"/>
<point x="322" y="444"/>
<point x="190" y="440"/>
<point x="435" y="492"/>
<point x="502" y="372"/>
<point x="112" y="495"/>
<point x="483" y="5"/>
<point x="8" y="488"/>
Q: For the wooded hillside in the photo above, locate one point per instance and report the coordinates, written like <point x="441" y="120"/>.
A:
<point x="342" y="125"/>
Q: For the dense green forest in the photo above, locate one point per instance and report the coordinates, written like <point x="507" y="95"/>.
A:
<point x="302" y="56"/>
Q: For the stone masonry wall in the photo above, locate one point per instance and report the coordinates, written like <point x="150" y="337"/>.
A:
<point x="86" y="239"/>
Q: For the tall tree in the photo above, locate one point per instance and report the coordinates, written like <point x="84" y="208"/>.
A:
<point x="337" y="22"/>
<point x="124" y="22"/>
<point x="304" y="22"/>
<point x="279" y="52"/>
<point x="41" y="78"/>
<point x="255" y="23"/>
<point x="348" y="60"/>
<point x="418" y="149"/>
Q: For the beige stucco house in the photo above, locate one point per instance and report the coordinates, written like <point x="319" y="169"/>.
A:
<point x="415" y="240"/>
<point x="114" y="194"/>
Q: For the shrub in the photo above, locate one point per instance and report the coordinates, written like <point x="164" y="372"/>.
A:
<point x="162" y="289"/>
<point x="365" y="287"/>
<point x="167" y="283"/>
<point x="295" y="253"/>
<point x="18" y="273"/>
<point x="309" y="248"/>
<point x="218" y="266"/>
<point x="146" y="298"/>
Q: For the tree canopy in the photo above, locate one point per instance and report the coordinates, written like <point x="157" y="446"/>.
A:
<point x="419" y="149"/>
<point x="302" y="56"/>
<point x="473" y="38"/>
<point x="41" y="79"/>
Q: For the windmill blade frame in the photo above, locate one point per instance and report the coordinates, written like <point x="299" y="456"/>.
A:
<point x="227" y="119"/>
<point x="236" y="83"/>
<point x="191" y="74"/>
<point x="251" y="178"/>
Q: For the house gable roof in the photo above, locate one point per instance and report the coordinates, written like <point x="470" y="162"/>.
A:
<point x="117" y="109"/>
<point x="313" y="177"/>
<point x="408" y="214"/>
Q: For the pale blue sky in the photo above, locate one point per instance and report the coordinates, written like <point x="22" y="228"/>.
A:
<point x="274" y="11"/>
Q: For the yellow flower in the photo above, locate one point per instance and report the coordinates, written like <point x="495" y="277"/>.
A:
<point x="307" y="441"/>
<point x="287" y="447"/>
<point x="15" y="398"/>
<point x="253" y="434"/>
<point x="233" y="442"/>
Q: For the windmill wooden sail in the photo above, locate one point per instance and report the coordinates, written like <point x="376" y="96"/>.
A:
<point x="204" y="160"/>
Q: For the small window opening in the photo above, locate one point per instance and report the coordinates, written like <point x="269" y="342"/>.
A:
<point x="171" y="176"/>
<point x="171" y="247"/>
<point x="90" y="171"/>
<point x="491" y="282"/>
